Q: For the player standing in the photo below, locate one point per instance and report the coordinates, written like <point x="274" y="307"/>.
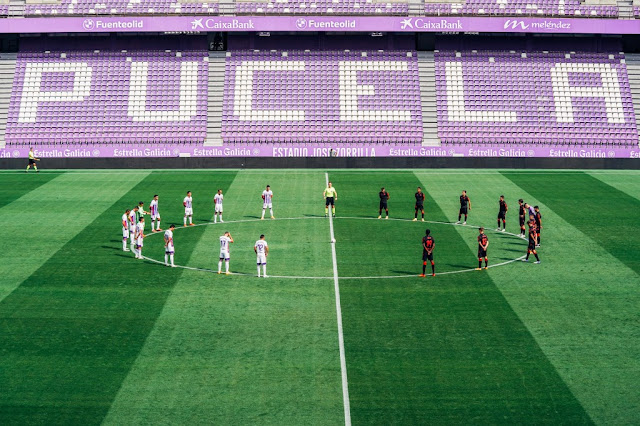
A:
<point x="419" y="204"/>
<point x="155" y="215"/>
<point x="483" y="244"/>
<point x="521" y="215"/>
<point x="330" y="196"/>
<point x="384" y="198"/>
<point x="32" y="161"/>
<point x="132" y="226"/>
<point x="169" y="250"/>
<point x="538" y="218"/>
<point x="139" y="237"/>
<point x="428" y="244"/>
<point x="533" y="237"/>
<point x="188" y="209"/>
<point x="465" y="206"/>
<point x="125" y="229"/>
<point x="225" y="240"/>
<point x="262" y="251"/>
<point x="267" y="196"/>
<point x="217" y="200"/>
<point x="502" y="213"/>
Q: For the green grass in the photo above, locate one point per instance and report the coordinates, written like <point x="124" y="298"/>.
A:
<point x="90" y="335"/>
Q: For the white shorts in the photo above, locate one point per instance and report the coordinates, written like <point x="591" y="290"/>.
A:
<point x="139" y="241"/>
<point x="132" y="234"/>
<point x="262" y="259"/>
<point x="155" y="216"/>
<point x="125" y="233"/>
<point x="267" y="205"/>
<point x="224" y="255"/>
<point x="188" y="211"/>
<point x="218" y="208"/>
<point x="169" y="249"/>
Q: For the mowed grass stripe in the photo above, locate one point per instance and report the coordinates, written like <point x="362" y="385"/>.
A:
<point x="625" y="183"/>
<point x="73" y="329"/>
<point x="48" y="216"/>
<point x="14" y="186"/>
<point x="584" y="201"/>
<point x="238" y="349"/>
<point x="437" y="350"/>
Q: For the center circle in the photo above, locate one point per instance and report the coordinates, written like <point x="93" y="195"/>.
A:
<point x="294" y="240"/>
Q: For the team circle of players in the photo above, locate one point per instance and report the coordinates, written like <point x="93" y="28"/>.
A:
<point x="133" y="226"/>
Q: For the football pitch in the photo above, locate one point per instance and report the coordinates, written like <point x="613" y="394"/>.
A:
<point x="343" y="332"/>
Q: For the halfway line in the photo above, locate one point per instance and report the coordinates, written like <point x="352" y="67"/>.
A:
<point x="343" y="362"/>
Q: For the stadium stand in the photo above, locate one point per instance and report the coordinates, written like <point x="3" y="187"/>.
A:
<point x="312" y="7"/>
<point x="572" y="8"/>
<point x="531" y="96"/>
<point x="120" y="7"/>
<point x="322" y="96"/>
<point x="104" y="92"/>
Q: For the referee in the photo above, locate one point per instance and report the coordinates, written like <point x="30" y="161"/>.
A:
<point x="330" y="196"/>
<point x="32" y="161"/>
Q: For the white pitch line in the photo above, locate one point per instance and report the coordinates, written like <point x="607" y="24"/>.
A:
<point x="343" y="361"/>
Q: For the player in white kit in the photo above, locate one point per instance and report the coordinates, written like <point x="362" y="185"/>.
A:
<point x="155" y="214"/>
<point x="169" y="251"/>
<point x="132" y="226"/>
<point x="125" y="229"/>
<point x="225" y="240"/>
<point x="262" y="251"/>
<point x="139" y="238"/>
<point x="188" y="209"/>
<point x="267" y="196"/>
<point x="217" y="200"/>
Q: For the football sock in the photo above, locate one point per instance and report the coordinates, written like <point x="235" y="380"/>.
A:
<point x="271" y="212"/>
<point x="264" y="270"/>
<point x="220" y="217"/>
<point x="190" y="219"/>
<point x="333" y="210"/>
<point x="536" y="255"/>
<point x="258" y="270"/>
<point x="263" y="210"/>
<point x="226" y="265"/>
<point x="424" y="267"/>
<point x="124" y="243"/>
<point x="486" y="262"/>
<point x="528" y="252"/>
<point x="459" y="216"/>
<point x="185" y="221"/>
<point x="35" y="167"/>
<point x="423" y="215"/>
<point x="220" y="266"/>
<point x="504" y="224"/>
<point x="215" y="218"/>
<point x="465" y="217"/>
<point x="416" y="214"/>
<point x="433" y="268"/>
<point x="479" y="263"/>
<point x="171" y="258"/>
<point x="166" y="259"/>
<point x="538" y="239"/>
<point x="158" y="224"/>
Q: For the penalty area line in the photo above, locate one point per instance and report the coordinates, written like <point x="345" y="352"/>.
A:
<point x="336" y="286"/>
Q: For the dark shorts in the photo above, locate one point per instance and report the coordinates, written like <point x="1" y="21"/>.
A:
<point x="482" y="253"/>
<point x="427" y="256"/>
<point x="329" y="201"/>
<point x="32" y="161"/>
<point x="419" y="206"/>
<point x="521" y="220"/>
<point x="463" y="210"/>
<point x="532" y="244"/>
<point x="383" y="205"/>
<point x="502" y="215"/>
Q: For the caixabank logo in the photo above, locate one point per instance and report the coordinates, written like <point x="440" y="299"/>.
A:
<point x="430" y="24"/>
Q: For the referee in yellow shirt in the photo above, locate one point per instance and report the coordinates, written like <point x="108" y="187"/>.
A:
<point x="330" y="196"/>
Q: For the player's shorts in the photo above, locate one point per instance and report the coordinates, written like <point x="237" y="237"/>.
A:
<point x="125" y="233"/>
<point x="532" y="244"/>
<point x="481" y="253"/>
<point x="419" y="206"/>
<point x="262" y="259"/>
<point x="521" y="220"/>
<point x="155" y="216"/>
<point x="224" y="255"/>
<point x="132" y="234"/>
<point x="464" y="210"/>
<point x="502" y="215"/>
<point x="427" y="256"/>
<point x="330" y="201"/>
<point x="267" y="206"/>
<point x="139" y="241"/>
<point x="218" y="208"/>
<point x="383" y="205"/>
<point x="32" y="161"/>
<point x="169" y="249"/>
<point x="188" y="211"/>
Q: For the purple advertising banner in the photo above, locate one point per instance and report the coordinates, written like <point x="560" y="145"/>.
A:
<point x="317" y="150"/>
<point x="318" y="23"/>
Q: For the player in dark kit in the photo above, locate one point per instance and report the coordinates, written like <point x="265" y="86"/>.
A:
<point x="533" y="238"/>
<point x="428" y="244"/>
<point x="521" y="215"/>
<point x="465" y="206"/>
<point x="538" y="218"/>
<point x="502" y="214"/>
<point x="419" y="204"/>
<point x="483" y="244"/>
<point x="384" y="197"/>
